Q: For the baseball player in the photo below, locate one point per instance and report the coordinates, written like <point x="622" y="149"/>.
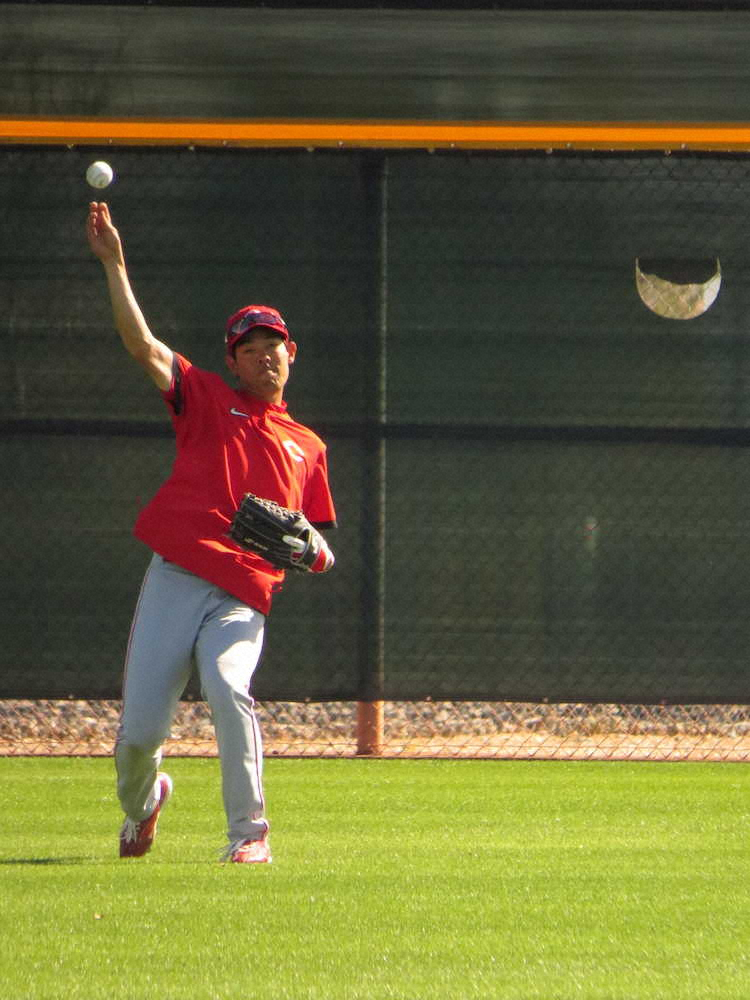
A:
<point x="204" y="600"/>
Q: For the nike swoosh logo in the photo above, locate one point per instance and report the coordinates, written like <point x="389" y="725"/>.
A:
<point x="238" y="413"/>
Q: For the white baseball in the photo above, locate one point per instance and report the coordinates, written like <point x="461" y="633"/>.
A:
<point x="100" y="174"/>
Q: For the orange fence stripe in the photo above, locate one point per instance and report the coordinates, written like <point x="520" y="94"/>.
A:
<point x="395" y="134"/>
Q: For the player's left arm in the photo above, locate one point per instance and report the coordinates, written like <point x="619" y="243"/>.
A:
<point x="317" y="501"/>
<point x="320" y="512"/>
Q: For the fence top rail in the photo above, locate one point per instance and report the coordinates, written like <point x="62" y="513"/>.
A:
<point x="396" y="134"/>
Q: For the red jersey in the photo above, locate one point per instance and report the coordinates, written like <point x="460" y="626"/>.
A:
<point x="230" y="443"/>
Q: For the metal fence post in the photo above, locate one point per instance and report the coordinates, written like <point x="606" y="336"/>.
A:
<point x="372" y="657"/>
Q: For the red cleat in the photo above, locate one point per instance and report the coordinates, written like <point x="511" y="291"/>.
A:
<point x="249" y="852"/>
<point x="136" y="838"/>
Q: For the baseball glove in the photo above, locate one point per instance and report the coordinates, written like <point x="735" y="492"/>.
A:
<point x="283" y="537"/>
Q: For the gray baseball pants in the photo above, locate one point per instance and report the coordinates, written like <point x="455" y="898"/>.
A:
<point x="181" y="620"/>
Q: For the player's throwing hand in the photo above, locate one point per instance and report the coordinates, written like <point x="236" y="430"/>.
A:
<point x="103" y="238"/>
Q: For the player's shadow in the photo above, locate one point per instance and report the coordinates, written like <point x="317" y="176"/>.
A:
<point x="45" y="861"/>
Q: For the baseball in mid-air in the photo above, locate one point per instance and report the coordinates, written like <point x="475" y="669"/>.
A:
<point x="100" y="174"/>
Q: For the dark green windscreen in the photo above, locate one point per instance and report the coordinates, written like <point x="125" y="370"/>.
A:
<point x="566" y="471"/>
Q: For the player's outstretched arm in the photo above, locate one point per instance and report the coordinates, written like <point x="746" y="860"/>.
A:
<point x="153" y="356"/>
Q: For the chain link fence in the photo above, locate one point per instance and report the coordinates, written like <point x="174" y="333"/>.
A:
<point x="532" y="373"/>
<point x="501" y="730"/>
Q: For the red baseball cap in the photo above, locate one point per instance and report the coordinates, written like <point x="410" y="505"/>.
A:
<point x="248" y="318"/>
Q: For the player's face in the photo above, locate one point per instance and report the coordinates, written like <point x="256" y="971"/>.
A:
<point x="261" y="364"/>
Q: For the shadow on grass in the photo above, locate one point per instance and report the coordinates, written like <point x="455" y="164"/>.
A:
<point x="45" y="861"/>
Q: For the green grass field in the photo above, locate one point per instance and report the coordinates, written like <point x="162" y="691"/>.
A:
<point x="391" y="879"/>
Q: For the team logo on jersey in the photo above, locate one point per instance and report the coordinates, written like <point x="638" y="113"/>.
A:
<point x="295" y="452"/>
